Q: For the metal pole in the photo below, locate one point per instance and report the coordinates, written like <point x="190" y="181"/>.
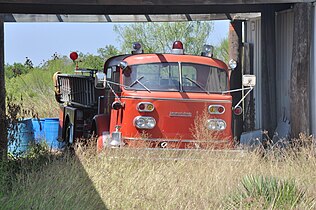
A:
<point x="3" y="130"/>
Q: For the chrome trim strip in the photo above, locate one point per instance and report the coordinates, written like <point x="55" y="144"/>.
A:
<point x="178" y="140"/>
<point x="176" y="99"/>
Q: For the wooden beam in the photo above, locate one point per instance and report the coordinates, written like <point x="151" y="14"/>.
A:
<point x="151" y="2"/>
<point x="300" y="73"/>
<point x="130" y="9"/>
<point x="269" y="116"/>
<point x="235" y="43"/>
<point x="3" y="130"/>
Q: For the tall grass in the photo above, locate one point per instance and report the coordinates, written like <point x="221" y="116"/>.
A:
<point x="35" y="89"/>
<point x="142" y="179"/>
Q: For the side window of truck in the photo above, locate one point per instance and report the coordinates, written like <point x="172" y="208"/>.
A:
<point x="109" y="73"/>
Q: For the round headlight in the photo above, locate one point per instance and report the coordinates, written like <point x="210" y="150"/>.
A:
<point x="143" y="122"/>
<point x="216" y="124"/>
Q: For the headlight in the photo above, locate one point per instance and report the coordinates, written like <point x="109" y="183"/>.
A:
<point x="142" y="122"/>
<point x="216" y="124"/>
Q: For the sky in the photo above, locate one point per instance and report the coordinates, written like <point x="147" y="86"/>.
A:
<point x="39" y="41"/>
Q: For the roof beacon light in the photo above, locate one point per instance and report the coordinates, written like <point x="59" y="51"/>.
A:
<point x="137" y="48"/>
<point x="208" y="50"/>
<point x="177" y="48"/>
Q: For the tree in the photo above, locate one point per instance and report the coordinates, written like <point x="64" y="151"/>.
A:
<point x="97" y="61"/>
<point x="158" y="37"/>
<point x="222" y="50"/>
<point x="15" y="70"/>
<point x="108" y="51"/>
<point x="90" y="61"/>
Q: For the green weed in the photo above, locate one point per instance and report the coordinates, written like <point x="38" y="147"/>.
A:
<point x="259" y="192"/>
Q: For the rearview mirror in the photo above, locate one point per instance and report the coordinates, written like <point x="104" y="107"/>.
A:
<point x="100" y="80"/>
<point x="123" y="65"/>
<point x="249" y="80"/>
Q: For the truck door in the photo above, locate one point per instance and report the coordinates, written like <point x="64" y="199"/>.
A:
<point x="113" y="76"/>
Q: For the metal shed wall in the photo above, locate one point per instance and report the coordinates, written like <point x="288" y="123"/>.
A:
<point x="284" y="47"/>
<point x="253" y="36"/>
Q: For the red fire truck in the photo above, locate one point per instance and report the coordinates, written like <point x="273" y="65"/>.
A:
<point x="150" y="100"/>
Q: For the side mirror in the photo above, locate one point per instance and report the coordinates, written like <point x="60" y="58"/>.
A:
<point x="100" y="80"/>
<point x="249" y="80"/>
<point x="123" y="65"/>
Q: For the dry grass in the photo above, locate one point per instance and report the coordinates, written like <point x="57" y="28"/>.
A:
<point x="199" y="181"/>
<point x="150" y="179"/>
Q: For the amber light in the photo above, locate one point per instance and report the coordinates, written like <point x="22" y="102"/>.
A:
<point x="216" y="109"/>
<point x="145" y="107"/>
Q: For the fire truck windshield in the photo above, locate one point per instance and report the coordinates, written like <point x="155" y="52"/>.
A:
<point x="166" y="77"/>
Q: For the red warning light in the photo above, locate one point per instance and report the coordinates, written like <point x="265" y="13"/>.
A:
<point x="177" y="45"/>
<point x="73" y="56"/>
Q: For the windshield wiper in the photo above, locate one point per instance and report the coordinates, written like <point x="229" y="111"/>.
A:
<point x="197" y="84"/>
<point x="137" y="81"/>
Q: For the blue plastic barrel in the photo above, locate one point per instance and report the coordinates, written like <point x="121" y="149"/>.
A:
<point x="20" y="136"/>
<point x="51" y="126"/>
<point x="38" y="128"/>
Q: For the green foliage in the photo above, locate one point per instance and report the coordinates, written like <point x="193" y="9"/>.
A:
<point x="222" y="50"/>
<point x="158" y="37"/>
<point x="62" y="64"/>
<point x="5" y="177"/>
<point x="108" y="51"/>
<point x="267" y="193"/>
<point x="89" y="61"/>
<point x="37" y="150"/>
<point x="15" y="70"/>
<point x="34" y="89"/>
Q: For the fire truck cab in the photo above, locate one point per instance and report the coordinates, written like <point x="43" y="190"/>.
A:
<point x="150" y="100"/>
